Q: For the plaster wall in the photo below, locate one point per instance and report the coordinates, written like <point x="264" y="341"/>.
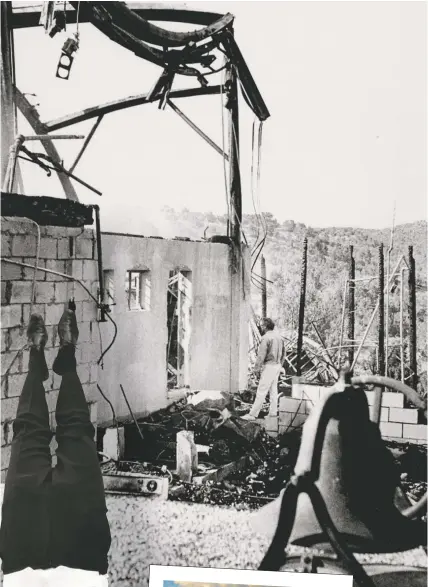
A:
<point x="219" y="317"/>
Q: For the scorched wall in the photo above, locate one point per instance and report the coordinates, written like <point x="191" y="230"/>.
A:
<point x="219" y="321"/>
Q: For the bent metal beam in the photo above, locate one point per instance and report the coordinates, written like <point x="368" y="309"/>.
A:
<point x="29" y="17"/>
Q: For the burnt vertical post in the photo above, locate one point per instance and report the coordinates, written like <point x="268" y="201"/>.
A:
<point x="264" y="288"/>
<point x="412" y="321"/>
<point x="102" y="298"/>
<point x="381" y="329"/>
<point x="377" y="404"/>
<point x="302" y="307"/>
<point x="351" y="305"/>
<point x="237" y="354"/>
<point x="7" y="98"/>
<point x="235" y="176"/>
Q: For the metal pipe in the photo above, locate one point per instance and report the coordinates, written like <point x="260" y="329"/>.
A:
<point x="100" y="264"/>
<point x="86" y="143"/>
<point x="302" y="305"/>
<point x="53" y="137"/>
<point x="412" y="320"/>
<point x="369" y="325"/>
<point x="410" y="394"/>
<point x="264" y="287"/>
<point x="197" y="130"/>
<point x="351" y="303"/>
<point x="403" y="269"/>
<point x="11" y="166"/>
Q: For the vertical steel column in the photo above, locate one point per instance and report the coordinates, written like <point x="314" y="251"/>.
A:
<point x="302" y="307"/>
<point x="351" y="305"/>
<point x="235" y="175"/>
<point x="412" y="321"/>
<point x="264" y="288"/>
<point x="377" y="404"/>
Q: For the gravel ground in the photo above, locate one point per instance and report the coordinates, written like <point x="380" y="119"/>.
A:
<point x="173" y="533"/>
<point x="148" y="532"/>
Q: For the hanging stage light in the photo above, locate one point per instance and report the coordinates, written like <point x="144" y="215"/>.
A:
<point x="65" y="62"/>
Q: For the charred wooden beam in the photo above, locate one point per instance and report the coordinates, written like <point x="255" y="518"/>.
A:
<point x="47" y="211"/>
<point x="129" y="102"/>
<point x="24" y="17"/>
<point x="32" y="117"/>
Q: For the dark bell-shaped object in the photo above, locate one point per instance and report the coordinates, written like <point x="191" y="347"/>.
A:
<point x="343" y="454"/>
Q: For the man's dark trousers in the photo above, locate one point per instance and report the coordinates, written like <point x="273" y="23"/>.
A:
<point x="54" y="516"/>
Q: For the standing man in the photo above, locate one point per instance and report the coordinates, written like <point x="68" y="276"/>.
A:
<point x="268" y="364"/>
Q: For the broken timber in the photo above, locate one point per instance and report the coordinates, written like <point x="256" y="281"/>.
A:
<point x="47" y="211"/>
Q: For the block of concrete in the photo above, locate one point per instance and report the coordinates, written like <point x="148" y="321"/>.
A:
<point x="294" y="420"/>
<point x="403" y="415"/>
<point x="187" y="455"/>
<point x="24" y="245"/>
<point x="391" y="429"/>
<point x="311" y="393"/>
<point x="392" y="400"/>
<point x="415" y="431"/>
<point x="292" y="404"/>
<point x="114" y="443"/>
<point x="270" y="423"/>
<point x="384" y="413"/>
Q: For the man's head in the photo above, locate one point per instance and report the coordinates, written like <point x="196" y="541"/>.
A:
<point x="267" y="324"/>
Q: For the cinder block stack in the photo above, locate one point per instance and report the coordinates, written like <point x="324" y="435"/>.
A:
<point x="396" y="422"/>
<point x="66" y="250"/>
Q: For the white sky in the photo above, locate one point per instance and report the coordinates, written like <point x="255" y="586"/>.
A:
<point x="345" y="83"/>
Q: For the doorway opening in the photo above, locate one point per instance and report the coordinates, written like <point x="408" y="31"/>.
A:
<point x="179" y="318"/>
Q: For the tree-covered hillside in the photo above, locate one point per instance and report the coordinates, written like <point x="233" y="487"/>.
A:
<point x="328" y="266"/>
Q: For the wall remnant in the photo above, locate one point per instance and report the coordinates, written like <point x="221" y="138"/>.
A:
<point x="396" y="422"/>
<point x="211" y="324"/>
<point x="71" y="251"/>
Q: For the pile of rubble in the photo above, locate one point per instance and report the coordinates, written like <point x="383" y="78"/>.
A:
<point x="239" y="464"/>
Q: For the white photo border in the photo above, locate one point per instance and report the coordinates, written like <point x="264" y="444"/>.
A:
<point x="159" y="574"/>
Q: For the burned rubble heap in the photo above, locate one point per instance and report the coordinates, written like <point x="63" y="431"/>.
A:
<point x="261" y="465"/>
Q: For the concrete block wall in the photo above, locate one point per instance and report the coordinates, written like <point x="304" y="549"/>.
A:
<point x="66" y="250"/>
<point x="396" y="422"/>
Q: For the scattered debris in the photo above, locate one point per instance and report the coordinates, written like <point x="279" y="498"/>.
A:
<point x="240" y="465"/>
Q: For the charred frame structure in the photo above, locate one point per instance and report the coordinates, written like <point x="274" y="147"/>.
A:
<point x="189" y="54"/>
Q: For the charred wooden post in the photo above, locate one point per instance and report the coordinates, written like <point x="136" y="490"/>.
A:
<point x="235" y="176"/>
<point x="351" y="305"/>
<point x="377" y="404"/>
<point x="7" y="101"/>
<point x="412" y="321"/>
<point x="102" y="300"/>
<point x="302" y="307"/>
<point x="264" y="288"/>
<point x="381" y="293"/>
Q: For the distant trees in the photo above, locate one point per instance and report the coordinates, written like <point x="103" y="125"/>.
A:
<point x="328" y="257"/>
